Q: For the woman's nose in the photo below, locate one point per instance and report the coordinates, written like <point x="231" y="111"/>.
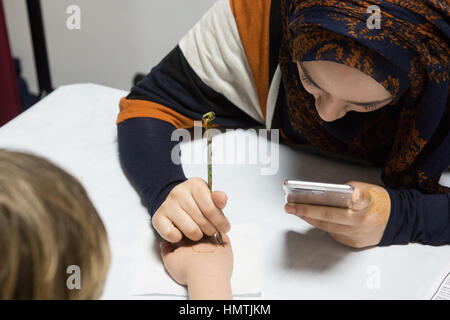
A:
<point x="330" y="109"/>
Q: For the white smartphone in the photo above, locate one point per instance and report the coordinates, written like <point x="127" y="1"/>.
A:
<point x="326" y="194"/>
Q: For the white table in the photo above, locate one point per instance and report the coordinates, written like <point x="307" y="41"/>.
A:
<point x="75" y="128"/>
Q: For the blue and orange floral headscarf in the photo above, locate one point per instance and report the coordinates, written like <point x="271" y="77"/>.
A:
<point x="409" y="55"/>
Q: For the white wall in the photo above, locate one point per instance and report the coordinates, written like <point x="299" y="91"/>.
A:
<point x="117" y="39"/>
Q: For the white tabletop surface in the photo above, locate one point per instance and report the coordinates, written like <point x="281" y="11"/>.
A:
<point x="75" y="128"/>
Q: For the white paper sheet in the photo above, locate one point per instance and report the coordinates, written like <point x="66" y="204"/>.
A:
<point x="150" y="277"/>
<point x="441" y="286"/>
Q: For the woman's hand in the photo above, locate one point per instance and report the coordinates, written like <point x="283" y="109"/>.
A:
<point x="204" y="266"/>
<point x="191" y="209"/>
<point x="360" y="226"/>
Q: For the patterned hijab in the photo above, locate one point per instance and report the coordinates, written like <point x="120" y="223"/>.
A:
<point x="409" y="55"/>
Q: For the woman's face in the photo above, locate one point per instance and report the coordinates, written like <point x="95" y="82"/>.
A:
<point x="339" y="89"/>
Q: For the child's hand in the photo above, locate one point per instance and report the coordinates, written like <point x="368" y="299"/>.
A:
<point x="187" y="259"/>
<point x="191" y="209"/>
<point x="205" y="267"/>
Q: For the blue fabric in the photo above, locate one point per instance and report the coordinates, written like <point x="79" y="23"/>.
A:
<point x="145" y="149"/>
<point x="417" y="217"/>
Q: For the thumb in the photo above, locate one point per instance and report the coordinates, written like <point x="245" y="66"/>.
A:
<point x="220" y="199"/>
<point x="360" y="198"/>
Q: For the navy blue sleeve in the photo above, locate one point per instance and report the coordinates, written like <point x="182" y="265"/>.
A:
<point x="145" y="149"/>
<point x="417" y="217"/>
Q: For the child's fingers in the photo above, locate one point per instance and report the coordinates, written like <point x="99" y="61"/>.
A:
<point x="183" y="221"/>
<point x="189" y="205"/>
<point x="210" y="211"/>
<point x="166" y="228"/>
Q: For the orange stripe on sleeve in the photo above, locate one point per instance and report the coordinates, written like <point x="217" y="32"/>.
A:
<point x="146" y="109"/>
<point x="253" y="21"/>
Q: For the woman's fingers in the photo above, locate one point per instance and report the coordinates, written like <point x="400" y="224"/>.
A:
<point x="329" y="226"/>
<point x="209" y="209"/>
<point x="360" y="197"/>
<point x="184" y="222"/>
<point x="219" y="198"/>
<point x="191" y="209"/>
<point x="189" y="205"/>
<point x="322" y="213"/>
<point x="226" y="239"/>
<point x="166" y="229"/>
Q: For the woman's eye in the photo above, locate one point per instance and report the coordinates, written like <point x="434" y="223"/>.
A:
<point x="370" y="107"/>
<point x="306" y="80"/>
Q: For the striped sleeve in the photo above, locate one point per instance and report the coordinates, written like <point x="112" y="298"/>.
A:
<point x="225" y="64"/>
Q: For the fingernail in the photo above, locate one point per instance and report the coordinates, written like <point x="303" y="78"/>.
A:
<point x="290" y="208"/>
<point x="358" y="195"/>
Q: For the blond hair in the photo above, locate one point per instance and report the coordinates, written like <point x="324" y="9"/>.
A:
<point x="47" y="223"/>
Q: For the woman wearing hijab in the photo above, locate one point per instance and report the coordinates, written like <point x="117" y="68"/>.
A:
<point x="316" y="71"/>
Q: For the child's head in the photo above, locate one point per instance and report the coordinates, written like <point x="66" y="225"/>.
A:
<point x="47" y="223"/>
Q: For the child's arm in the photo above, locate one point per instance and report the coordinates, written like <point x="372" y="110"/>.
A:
<point x="204" y="267"/>
<point x="204" y="286"/>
